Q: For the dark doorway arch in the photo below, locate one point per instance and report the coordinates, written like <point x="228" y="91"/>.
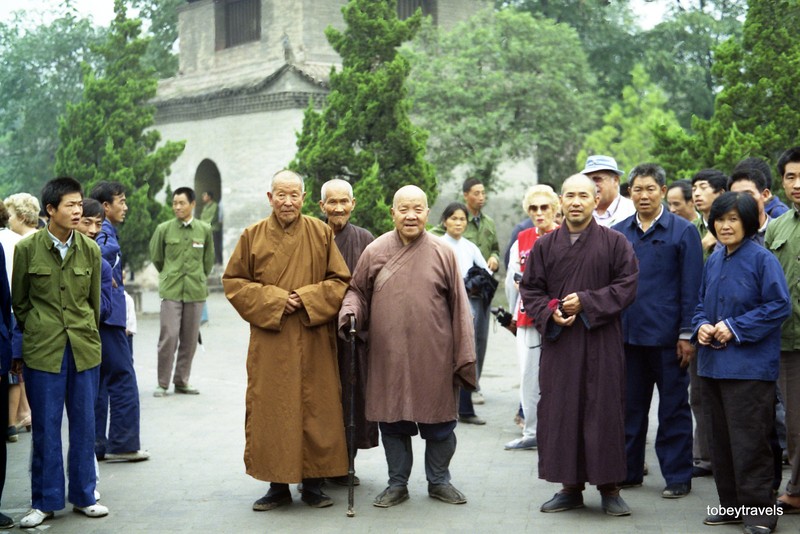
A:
<point x="208" y="179"/>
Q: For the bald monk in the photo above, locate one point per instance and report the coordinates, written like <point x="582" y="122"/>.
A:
<point x="408" y="293"/>
<point x="577" y="281"/>
<point x="287" y="279"/>
<point x="337" y="204"/>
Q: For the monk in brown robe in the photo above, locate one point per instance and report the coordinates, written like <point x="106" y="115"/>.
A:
<point x="408" y="293"/>
<point x="287" y="279"/>
<point x="578" y="280"/>
<point x="337" y="205"/>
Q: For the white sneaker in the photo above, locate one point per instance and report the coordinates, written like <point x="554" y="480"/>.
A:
<point x="477" y="397"/>
<point x="135" y="456"/>
<point x="94" y="510"/>
<point x="96" y="495"/>
<point x="34" y="518"/>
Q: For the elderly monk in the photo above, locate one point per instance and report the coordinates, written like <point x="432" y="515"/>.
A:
<point x="287" y="279"/>
<point x="337" y="205"/>
<point x="407" y="291"/>
<point x="577" y="281"/>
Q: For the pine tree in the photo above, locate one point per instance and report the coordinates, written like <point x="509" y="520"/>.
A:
<point x="365" y="122"/>
<point x="755" y="114"/>
<point x="108" y="135"/>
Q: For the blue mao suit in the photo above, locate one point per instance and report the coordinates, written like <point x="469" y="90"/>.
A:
<point x="670" y="268"/>
<point x="118" y="387"/>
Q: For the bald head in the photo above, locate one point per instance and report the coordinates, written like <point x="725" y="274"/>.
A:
<point x="286" y="176"/>
<point x="579" y="180"/>
<point x="409" y="192"/>
<point x="410" y="212"/>
<point x="579" y="198"/>
<point x="336" y="185"/>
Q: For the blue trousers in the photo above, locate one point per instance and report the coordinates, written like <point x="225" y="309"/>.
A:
<point x="644" y="368"/>
<point x="118" y="388"/>
<point x="47" y="395"/>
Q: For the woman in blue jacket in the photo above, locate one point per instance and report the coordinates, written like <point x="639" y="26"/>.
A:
<point x="743" y="302"/>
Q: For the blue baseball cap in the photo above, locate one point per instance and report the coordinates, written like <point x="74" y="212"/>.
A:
<point x="601" y="163"/>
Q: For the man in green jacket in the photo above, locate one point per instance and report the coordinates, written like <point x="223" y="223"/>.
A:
<point x="211" y="215"/>
<point x="56" y="301"/>
<point x="182" y="250"/>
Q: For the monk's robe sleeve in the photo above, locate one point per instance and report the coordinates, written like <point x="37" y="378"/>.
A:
<point x="464" y="368"/>
<point x="259" y="304"/>
<point x="356" y="301"/>
<point x="533" y="289"/>
<point x="604" y="305"/>
<point x="321" y="301"/>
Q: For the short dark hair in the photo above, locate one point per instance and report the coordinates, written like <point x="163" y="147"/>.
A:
<point x="469" y="183"/>
<point x="749" y="174"/>
<point x="744" y="205"/>
<point x="790" y="156"/>
<point x="106" y="191"/>
<point x="93" y="208"/>
<point x="685" y="186"/>
<point x="452" y="208"/>
<point x="54" y="190"/>
<point x="716" y="179"/>
<point x="653" y="170"/>
<point x="210" y="194"/>
<point x="625" y="189"/>
<point x="188" y="191"/>
<point x="758" y="164"/>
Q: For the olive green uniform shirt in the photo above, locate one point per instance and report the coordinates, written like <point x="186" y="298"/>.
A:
<point x="210" y="216"/>
<point x="783" y="239"/>
<point x="57" y="301"/>
<point x="184" y="257"/>
<point x="484" y="236"/>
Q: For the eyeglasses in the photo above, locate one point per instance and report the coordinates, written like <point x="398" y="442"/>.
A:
<point x="543" y="207"/>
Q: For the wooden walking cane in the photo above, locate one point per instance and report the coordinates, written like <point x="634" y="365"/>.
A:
<point x="351" y="420"/>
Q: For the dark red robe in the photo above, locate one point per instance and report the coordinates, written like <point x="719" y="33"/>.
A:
<point x="581" y="433"/>
<point x="352" y="241"/>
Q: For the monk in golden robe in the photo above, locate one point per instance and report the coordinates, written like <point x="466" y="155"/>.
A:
<point x="287" y="279"/>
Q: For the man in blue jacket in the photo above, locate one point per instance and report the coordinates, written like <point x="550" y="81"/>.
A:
<point x="657" y="328"/>
<point x="117" y="375"/>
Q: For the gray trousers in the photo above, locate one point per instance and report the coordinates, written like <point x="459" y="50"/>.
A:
<point x="180" y="326"/>
<point x="440" y="446"/>
<point x="789" y="385"/>
<point x="701" y="446"/>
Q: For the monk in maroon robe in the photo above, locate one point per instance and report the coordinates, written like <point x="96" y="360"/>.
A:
<point x="337" y="205"/>
<point x="578" y="280"/>
<point x="407" y="291"/>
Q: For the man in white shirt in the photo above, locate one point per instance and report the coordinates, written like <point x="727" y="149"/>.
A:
<point x="612" y="207"/>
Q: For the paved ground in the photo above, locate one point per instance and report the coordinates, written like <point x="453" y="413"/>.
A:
<point x="195" y="480"/>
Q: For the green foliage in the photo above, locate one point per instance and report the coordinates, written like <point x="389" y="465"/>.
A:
<point x="679" y="55"/>
<point x="162" y="16"/>
<point x="503" y="86"/>
<point x="371" y="210"/>
<point x="606" y="31"/>
<point x="365" y="121"/>
<point x="108" y="135"/>
<point x="628" y="127"/>
<point x="40" y="73"/>
<point x="755" y="114"/>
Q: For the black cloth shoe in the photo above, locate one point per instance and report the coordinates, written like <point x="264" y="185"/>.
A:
<point x="756" y="529"/>
<point x="698" y="471"/>
<point x="471" y="420"/>
<point x="627" y="484"/>
<point x="391" y="496"/>
<point x="278" y="495"/>
<point x="723" y="519"/>
<point x="562" y="502"/>
<point x="614" y="505"/>
<point x="446" y="493"/>
<point x="787" y="508"/>
<point x="6" y="522"/>
<point x="316" y="499"/>
<point x="343" y="480"/>
<point x="676" y="491"/>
